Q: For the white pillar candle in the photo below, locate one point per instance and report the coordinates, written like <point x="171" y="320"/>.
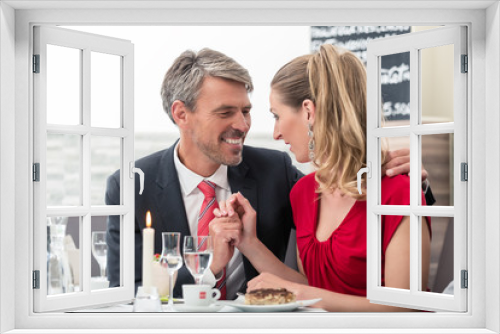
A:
<point x="148" y="245"/>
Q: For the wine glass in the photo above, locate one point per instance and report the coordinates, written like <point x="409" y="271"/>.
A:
<point x="198" y="253"/>
<point x="100" y="250"/>
<point x="171" y="259"/>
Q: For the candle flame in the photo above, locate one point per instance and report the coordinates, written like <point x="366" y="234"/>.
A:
<point x="148" y="219"/>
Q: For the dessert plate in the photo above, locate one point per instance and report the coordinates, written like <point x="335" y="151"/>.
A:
<point x="240" y="304"/>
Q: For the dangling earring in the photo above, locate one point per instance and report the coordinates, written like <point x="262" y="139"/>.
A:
<point x="310" y="134"/>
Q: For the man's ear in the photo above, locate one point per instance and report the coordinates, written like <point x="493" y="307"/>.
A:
<point x="309" y="109"/>
<point x="179" y="113"/>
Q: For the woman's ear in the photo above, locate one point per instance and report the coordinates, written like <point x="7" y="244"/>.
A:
<point x="309" y="109"/>
<point x="179" y="113"/>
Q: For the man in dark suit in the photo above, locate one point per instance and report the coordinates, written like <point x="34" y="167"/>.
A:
<point x="206" y="95"/>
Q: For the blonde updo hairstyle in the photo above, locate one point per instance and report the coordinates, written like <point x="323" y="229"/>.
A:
<point x="335" y="80"/>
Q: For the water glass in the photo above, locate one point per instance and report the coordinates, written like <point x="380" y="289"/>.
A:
<point x="100" y="250"/>
<point x="198" y="254"/>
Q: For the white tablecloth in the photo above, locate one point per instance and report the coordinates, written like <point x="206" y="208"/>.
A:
<point x="126" y="308"/>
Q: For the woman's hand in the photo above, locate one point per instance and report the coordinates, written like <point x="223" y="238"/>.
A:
<point x="237" y="206"/>
<point x="270" y="281"/>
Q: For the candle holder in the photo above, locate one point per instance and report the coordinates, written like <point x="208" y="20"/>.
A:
<point x="147" y="301"/>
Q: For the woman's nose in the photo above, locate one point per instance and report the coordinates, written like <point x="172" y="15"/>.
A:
<point x="276" y="132"/>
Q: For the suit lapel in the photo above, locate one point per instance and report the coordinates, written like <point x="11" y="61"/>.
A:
<point x="240" y="181"/>
<point x="169" y="200"/>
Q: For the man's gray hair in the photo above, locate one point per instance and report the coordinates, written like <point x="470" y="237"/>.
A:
<point x="184" y="78"/>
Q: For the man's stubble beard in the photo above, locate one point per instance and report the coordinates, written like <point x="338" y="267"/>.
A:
<point x="214" y="153"/>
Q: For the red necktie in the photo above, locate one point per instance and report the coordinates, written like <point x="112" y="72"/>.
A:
<point x="205" y="217"/>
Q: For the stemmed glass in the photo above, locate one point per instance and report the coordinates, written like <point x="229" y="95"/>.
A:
<point x="100" y="250"/>
<point x="198" y="253"/>
<point x="171" y="259"/>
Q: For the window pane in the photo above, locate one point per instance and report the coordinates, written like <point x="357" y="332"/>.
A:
<point x="99" y="248"/>
<point x="63" y="170"/>
<point x="441" y="255"/>
<point x="392" y="144"/>
<point x="393" y="274"/>
<point x="437" y="159"/>
<point x="395" y="89"/>
<point x="63" y="85"/>
<point x="63" y="255"/>
<point x="106" y="159"/>
<point x="105" y="90"/>
<point x="106" y="257"/>
<point x="436" y="85"/>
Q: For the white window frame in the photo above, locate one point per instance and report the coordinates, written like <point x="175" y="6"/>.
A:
<point x="483" y="21"/>
<point x="86" y="44"/>
<point x="413" y="44"/>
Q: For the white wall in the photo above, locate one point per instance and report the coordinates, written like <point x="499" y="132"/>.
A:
<point x="262" y="50"/>
<point x="7" y="160"/>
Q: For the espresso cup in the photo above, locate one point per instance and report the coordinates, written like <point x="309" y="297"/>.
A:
<point x="199" y="295"/>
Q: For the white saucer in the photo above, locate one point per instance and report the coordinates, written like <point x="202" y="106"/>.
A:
<point x="197" y="309"/>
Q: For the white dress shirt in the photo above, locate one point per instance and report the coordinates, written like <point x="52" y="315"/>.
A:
<point x="193" y="199"/>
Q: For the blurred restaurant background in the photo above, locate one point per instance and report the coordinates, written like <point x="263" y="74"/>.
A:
<point x="263" y="50"/>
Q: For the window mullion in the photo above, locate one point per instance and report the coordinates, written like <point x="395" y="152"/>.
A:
<point x="84" y="129"/>
<point x="80" y="211"/>
<point x="404" y="210"/>
<point x="372" y="156"/>
<point x="414" y="168"/>
<point x="128" y="198"/>
<point x="85" y="169"/>
<point x="85" y="254"/>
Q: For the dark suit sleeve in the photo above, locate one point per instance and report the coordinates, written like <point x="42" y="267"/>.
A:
<point x="113" y="230"/>
<point x="429" y="197"/>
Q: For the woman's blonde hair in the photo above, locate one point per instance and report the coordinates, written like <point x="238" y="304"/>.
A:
<point x="335" y="80"/>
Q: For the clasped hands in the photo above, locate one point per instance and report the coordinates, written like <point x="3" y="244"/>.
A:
<point x="233" y="226"/>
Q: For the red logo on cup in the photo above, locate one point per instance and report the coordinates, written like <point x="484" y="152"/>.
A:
<point x="203" y="295"/>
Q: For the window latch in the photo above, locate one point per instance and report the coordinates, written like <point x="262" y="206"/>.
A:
<point x="36" y="172"/>
<point x="36" y="279"/>
<point x="368" y="171"/>
<point x="139" y="171"/>
<point x="465" y="64"/>
<point x="464" y="279"/>
<point x="464" y="171"/>
<point x="36" y="63"/>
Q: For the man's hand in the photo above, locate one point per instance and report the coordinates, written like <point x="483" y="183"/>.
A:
<point x="225" y="232"/>
<point x="398" y="162"/>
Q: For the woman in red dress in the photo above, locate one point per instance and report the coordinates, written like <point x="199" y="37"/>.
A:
<point x="319" y="105"/>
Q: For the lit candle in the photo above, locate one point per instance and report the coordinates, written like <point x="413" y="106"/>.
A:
<point x="148" y="245"/>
